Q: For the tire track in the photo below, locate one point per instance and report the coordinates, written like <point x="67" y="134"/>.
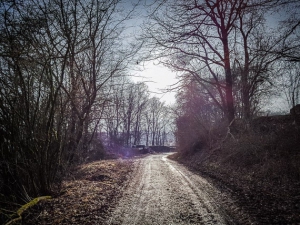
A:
<point x="164" y="192"/>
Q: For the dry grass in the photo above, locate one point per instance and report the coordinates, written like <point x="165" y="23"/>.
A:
<point x="260" y="167"/>
<point x="86" y="197"/>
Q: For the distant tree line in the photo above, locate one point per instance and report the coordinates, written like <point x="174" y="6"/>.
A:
<point x="230" y="57"/>
<point x="133" y="118"/>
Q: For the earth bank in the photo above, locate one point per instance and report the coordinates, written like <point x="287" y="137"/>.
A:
<point x="258" y="167"/>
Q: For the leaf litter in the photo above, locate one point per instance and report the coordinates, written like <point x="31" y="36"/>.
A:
<point x="87" y="195"/>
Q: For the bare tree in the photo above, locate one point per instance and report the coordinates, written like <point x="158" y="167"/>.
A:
<point x="125" y="113"/>
<point x="32" y="102"/>
<point x="197" y="36"/>
<point x="91" y="32"/>
<point x="289" y="28"/>
<point x="57" y="58"/>
<point x="154" y="117"/>
<point x="211" y="40"/>
<point x="290" y="82"/>
<point x="253" y="61"/>
<point x="141" y="91"/>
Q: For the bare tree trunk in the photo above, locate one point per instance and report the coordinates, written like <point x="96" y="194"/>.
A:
<point x="229" y="81"/>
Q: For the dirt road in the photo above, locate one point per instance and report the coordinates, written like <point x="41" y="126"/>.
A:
<point x="162" y="191"/>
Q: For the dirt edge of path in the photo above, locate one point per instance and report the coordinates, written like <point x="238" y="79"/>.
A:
<point x="258" y="202"/>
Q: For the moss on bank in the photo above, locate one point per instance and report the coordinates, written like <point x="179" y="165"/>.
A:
<point x="25" y="207"/>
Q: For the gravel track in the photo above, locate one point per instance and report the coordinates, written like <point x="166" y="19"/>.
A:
<point x="162" y="191"/>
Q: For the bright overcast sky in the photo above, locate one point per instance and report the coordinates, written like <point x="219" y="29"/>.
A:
<point x="158" y="78"/>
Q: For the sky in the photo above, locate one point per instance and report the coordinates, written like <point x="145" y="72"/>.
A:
<point x="159" y="79"/>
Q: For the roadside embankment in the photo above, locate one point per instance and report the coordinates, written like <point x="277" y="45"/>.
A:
<point x="260" y="169"/>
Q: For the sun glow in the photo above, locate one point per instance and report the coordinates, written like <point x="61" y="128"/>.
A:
<point x="160" y="80"/>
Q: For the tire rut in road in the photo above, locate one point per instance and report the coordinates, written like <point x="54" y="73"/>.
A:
<point x="164" y="192"/>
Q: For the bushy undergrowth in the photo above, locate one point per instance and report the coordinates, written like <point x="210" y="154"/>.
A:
<point x="258" y="166"/>
<point x="270" y="155"/>
<point x="269" y="149"/>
